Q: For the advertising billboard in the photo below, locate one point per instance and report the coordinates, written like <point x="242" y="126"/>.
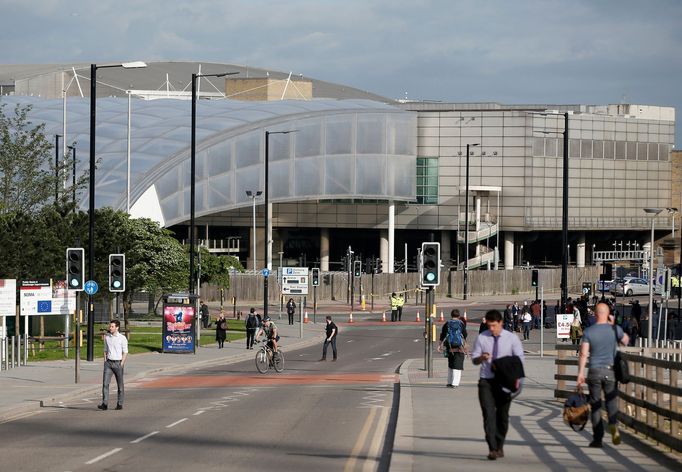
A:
<point x="178" y="328"/>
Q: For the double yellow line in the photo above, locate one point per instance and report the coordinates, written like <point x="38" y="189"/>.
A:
<point x="373" y="453"/>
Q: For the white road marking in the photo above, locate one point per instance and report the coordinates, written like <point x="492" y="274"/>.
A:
<point x="104" y="456"/>
<point x="417" y="340"/>
<point x="350" y="341"/>
<point x="142" y="438"/>
<point x="199" y="412"/>
<point x="176" y="423"/>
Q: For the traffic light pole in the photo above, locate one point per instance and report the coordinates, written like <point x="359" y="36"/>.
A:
<point x="371" y="295"/>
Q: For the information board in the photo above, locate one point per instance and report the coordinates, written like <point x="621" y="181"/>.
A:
<point x="563" y="326"/>
<point x="295" y="280"/>
<point x="8" y="297"/>
<point x="46" y="297"/>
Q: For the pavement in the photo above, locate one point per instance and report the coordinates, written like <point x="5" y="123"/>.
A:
<point x="437" y="428"/>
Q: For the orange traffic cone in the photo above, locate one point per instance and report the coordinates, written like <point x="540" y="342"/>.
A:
<point x="442" y="318"/>
<point x="350" y="317"/>
<point x="417" y="320"/>
<point x="383" y="317"/>
<point x="305" y="316"/>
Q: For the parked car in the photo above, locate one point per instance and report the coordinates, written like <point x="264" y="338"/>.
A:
<point x="632" y="286"/>
<point x="605" y="285"/>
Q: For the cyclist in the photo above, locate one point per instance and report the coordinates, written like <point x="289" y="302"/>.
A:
<point x="270" y="331"/>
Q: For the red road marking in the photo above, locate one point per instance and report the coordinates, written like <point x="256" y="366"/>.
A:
<point x="209" y="381"/>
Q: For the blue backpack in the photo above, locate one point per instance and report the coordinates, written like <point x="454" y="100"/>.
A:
<point x="454" y="333"/>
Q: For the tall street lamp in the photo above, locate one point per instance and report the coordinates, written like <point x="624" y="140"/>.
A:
<point x="253" y="196"/>
<point x="653" y="212"/>
<point x="56" y="167"/>
<point x="91" y="206"/>
<point x="193" y="171"/>
<point x="266" y="217"/>
<point x="466" y="225"/>
<point x="73" y="174"/>
<point x="564" y="215"/>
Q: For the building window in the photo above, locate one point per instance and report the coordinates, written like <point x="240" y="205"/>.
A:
<point x="427" y="180"/>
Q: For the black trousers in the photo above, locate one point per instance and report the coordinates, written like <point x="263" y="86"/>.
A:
<point x="291" y="318"/>
<point x="326" y="344"/>
<point x="495" y="407"/>
<point x="250" y="337"/>
<point x="400" y="313"/>
<point x="394" y="315"/>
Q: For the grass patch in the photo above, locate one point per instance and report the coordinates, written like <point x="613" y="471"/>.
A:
<point x="141" y="339"/>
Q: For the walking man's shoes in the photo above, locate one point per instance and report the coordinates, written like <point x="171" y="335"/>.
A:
<point x="615" y="434"/>
<point x="492" y="455"/>
<point x="102" y="406"/>
<point x="595" y="443"/>
<point x="500" y="453"/>
<point x="119" y="407"/>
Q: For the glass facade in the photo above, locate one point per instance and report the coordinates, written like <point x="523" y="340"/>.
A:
<point x="427" y="180"/>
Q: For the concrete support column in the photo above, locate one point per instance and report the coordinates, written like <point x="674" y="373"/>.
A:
<point x="324" y="249"/>
<point x="445" y="246"/>
<point x="580" y="251"/>
<point x="508" y="250"/>
<point x="478" y="213"/>
<point x="391" y="237"/>
<point x="383" y="247"/>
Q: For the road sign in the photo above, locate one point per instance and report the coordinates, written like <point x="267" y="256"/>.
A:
<point x="265" y="272"/>
<point x="295" y="280"/>
<point x="91" y="287"/>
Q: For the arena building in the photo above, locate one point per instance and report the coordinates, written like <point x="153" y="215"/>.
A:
<point x="357" y="169"/>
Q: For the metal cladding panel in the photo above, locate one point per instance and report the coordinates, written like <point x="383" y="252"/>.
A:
<point x="338" y="149"/>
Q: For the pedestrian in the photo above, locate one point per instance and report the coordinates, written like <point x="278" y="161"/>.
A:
<point x="483" y="326"/>
<point x="490" y="345"/>
<point x="599" y="344"/>
<point x="221" y="329"/>
<point x="251" y="324"/>
<point x="394" y="307"/>
<point x="401" y="302"/>
<point x="331" y="332"/>
<point x="204" y="314"/>
<point x="516" y="313"/>
<point x="636" y="312"/>
<point x="115" y="354"/>
<point x="508" y="321"/>
<point x="453" y="337"/>
<point x="535" y="310"/>
<point x="526" y="319"/>
<point x="576" y="333"/>
<point x="291" y="310"/>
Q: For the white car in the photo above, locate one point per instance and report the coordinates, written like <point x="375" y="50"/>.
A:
<point x="632" y="286"/>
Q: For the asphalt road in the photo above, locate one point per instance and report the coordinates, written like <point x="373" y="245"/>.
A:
<point x="313" y="416"/>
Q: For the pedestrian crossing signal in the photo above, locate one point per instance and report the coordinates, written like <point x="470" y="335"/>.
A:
<point x="117" y="272"/>
<point x="534" y="277"/>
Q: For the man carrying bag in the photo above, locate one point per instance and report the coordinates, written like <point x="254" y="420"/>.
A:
<point x="600" y="344"/>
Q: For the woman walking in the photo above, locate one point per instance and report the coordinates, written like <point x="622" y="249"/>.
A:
<point x="221" y="329"/>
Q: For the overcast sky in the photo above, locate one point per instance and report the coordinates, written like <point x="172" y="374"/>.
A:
<point x="521" y="51"/>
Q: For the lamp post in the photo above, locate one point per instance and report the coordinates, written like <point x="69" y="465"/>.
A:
<point x="73" y="175"/>
<point x="466" y="225"/>
<point x="193" y="171"/>
<point x="56" y="167"/>
<point x="266" y="216"/>
<point x="91" y="205"/>
<point x="653" y="212"/>
<point x="253" y="196"/>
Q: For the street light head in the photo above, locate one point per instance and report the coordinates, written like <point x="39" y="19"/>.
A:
<point x="653" y="211"/>
<point x="134" y="65"/>
<point x="249" y="193"/>
<point x="259" y="193"/>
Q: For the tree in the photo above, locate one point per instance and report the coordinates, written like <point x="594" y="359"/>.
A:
<point x="217" y="269"/>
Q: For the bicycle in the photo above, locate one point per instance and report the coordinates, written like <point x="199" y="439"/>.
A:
<point x="266" y="358"/>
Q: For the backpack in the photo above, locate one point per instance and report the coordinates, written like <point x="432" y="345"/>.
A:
<point x="454" y="333"/>
<point x="251" y="322"/>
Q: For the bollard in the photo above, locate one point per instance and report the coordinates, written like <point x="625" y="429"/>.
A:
<point x="5" y="353"/>
<point x="11" y="341"/>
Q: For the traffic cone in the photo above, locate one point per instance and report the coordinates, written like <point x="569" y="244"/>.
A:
<point x="417" y="320"/>
<point x="305" y="316"/>
<point x="442" y="318"/>
<point x="383" y="317"/>
<point x="350" y="317"/>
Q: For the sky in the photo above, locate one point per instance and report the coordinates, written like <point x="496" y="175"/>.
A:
<point x="506" y="51"/>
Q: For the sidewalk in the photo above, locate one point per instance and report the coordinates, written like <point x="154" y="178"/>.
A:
<point x="25" y="388"/>
<point x="442" y="429"/>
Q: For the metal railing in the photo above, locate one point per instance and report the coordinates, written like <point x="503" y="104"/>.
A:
<point x="488" y="231"/>
<point x="597" y="222"/>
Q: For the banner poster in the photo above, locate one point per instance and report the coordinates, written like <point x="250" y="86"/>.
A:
<point x="563" y="326"/>
<point x="178" y="328"/>
<point x="46" y="297"/>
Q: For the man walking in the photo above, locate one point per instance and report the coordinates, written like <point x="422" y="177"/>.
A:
<point x="291" y="310"/>
<point x="251" y="325"/>
<point x="204" y="313"/>
<point x="331" y="331"/>
<point x="452" y="339"/>
<point x="599" y="343"/>
<point x="115" y="353"/>
<point x="492" y="344"/>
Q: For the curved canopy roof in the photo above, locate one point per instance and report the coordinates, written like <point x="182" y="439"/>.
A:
<point x="337" y="149"/>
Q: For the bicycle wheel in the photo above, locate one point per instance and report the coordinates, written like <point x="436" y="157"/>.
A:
<point x="278" y="361"/>
<point x="262" y="362"/>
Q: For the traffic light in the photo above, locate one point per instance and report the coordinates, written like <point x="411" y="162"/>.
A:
<point x="316" y="277"/>
<point x="608" y="271"/>
<point x="535" y="275"/>
<point x="357" y="268"/>
<point x="430" y="265"/>
<point x="75" y="268"/>
<point x="369" y="265"/>
<point x="117" y="272"/>
<point x="378" y="266"/>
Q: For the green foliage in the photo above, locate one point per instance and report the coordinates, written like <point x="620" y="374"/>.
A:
<point x="216" y="269"/>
